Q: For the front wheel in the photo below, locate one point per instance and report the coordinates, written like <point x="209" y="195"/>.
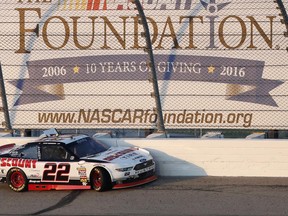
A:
<point x="17" y="180"/>
<point x="100" y="179"/>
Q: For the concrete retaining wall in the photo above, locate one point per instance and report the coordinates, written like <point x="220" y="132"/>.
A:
<point x="16" y="140"/>
<point x="199" y="157"/>
<point x="221" y="157"/>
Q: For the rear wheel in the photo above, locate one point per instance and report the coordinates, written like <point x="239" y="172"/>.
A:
<point x="17" y="180"/>
<point x="100" y="179"/>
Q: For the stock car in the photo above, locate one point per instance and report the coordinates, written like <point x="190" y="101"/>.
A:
<point x="66" y="162"/>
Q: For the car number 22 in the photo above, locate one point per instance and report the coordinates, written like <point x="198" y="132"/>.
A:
<point x="56" y="172"/>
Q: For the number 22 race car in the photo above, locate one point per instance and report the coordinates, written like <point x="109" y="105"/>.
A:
<point x="66" y="162"/>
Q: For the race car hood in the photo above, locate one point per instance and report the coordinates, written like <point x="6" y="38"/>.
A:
<point x="121" y="155"/>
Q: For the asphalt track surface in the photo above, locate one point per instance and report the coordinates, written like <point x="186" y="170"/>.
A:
<point x="166" y="196"/>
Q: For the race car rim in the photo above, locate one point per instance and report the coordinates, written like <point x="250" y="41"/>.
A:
<point x="97" y="180"/>
<point x="17" y="179"/>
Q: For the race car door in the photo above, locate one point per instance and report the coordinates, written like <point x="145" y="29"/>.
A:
<point x="59" y="168"/>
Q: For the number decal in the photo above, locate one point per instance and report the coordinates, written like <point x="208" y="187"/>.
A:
<point x="49" y="172"/>
<point x="63" y="172"/>
<point x="56" y="173"/>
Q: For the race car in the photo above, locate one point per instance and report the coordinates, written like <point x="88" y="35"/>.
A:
<point x="66" y="162"/>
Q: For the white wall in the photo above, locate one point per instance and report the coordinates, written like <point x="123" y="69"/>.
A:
<point x="221" y="157"/>
<point x="199" y="157"/>
<point x="16" y="140"/>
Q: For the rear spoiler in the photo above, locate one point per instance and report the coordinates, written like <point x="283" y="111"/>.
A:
<point x="6" y="147"/>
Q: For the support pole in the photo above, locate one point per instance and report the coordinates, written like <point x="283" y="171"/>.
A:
<point x="4" y="103"/>
<point x="160" y="121"/>
<point x="284" y="14"/>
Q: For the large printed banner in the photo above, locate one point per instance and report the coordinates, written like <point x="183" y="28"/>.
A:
<point x="82" y="64"/>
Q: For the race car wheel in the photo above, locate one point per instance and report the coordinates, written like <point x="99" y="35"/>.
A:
<point x="100" y="179"/>
<point x="17" y="180"/>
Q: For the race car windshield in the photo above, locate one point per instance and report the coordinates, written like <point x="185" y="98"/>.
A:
<point x="86" y="147"/>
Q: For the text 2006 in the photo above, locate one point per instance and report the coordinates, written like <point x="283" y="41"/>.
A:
<point x="53" y="71"/>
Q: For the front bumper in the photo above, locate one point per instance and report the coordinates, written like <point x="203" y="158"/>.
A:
<point x="134" y="182"/>
<point x="141" y="174"/>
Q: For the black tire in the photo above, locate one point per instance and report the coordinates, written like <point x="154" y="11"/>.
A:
<point x="17" y="180"/>
<point x="100" y="179"/>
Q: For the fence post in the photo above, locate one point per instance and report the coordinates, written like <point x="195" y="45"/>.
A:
<point x="284" y="14"/>
<point x="160" y="121"/>
<point x="4" y="102"/>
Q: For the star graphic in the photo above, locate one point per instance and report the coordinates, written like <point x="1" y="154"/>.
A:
<point x="76" y="69"/>
<point x="211" y="69"/>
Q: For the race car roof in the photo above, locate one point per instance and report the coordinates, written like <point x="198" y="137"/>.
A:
<point x="66" y="138"/>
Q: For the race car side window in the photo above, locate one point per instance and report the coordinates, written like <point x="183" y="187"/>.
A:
<point x="54" y="153"/>
<point x="29" y="151"/>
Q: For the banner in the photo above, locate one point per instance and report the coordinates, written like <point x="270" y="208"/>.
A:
<point x="82" y="64"/>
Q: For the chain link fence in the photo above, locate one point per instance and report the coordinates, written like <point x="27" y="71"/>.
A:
<point x="84" y="64"/>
